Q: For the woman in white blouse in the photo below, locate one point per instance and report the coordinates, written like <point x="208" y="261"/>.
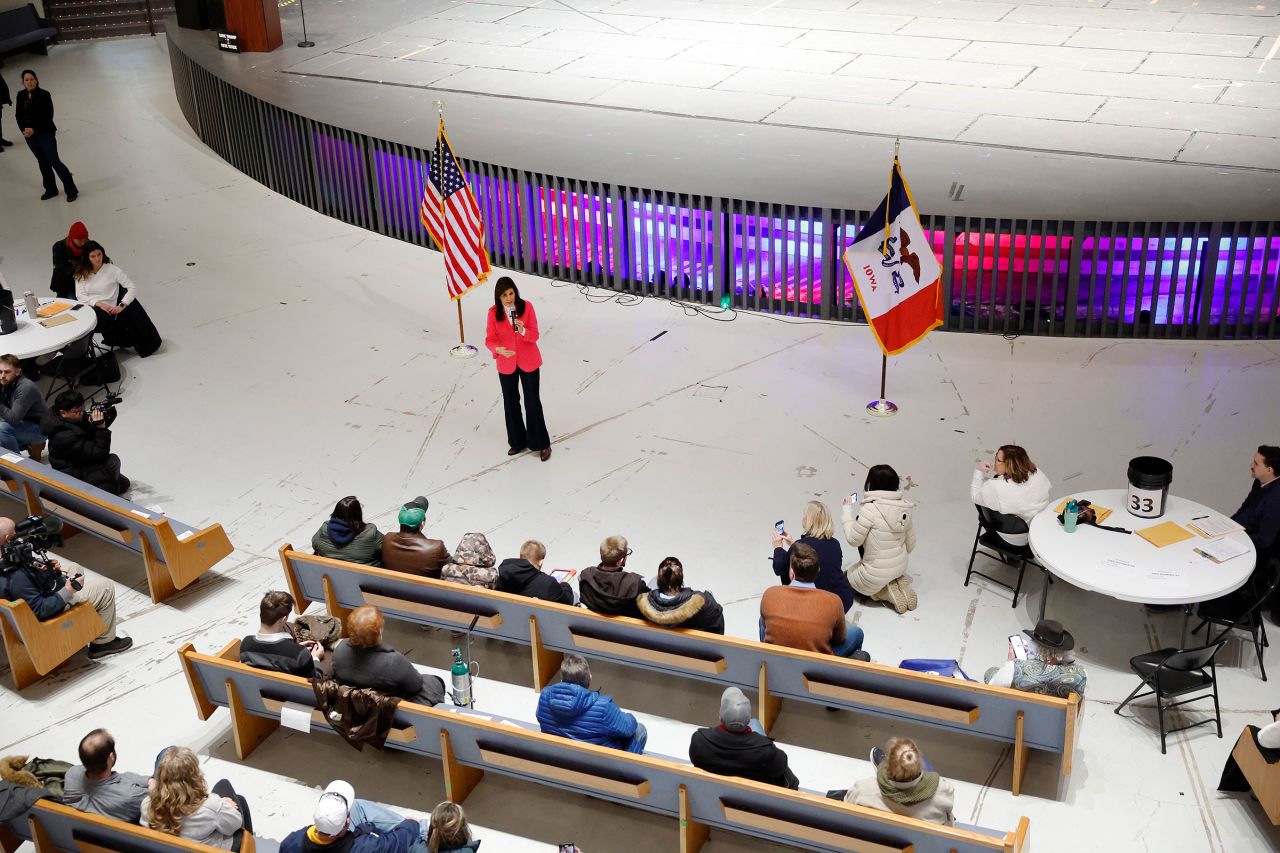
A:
<point x="1017" y="488"/>
<point x="121" y="318"/>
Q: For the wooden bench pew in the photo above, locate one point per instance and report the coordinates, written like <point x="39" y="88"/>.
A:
<point x="1025" y="720"/>
<point x="56" y="828"/>
<point x="174" y="554"/>
<point x="469" y="745"/>
<point x="1263" y="778"/>
<point x="36" y="648"/>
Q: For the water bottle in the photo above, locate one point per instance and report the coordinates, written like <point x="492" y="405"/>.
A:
<point x="33" y="304"/>
<point x="460" y="675"/>
<point x="1069" y="516"/>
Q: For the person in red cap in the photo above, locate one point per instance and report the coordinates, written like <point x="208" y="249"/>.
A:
<point x="66" y="258"/>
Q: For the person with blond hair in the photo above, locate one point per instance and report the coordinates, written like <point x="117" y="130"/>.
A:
<point x="819" y="533"/>
<point x="181" y="804"/>
<point x="523" y="575"/>
<point x="608" y="588"/>
<point x="1012" y="486"/>
<point x="904" y="784"/>
<point x="450" y="832"/>
<point x="361" y="660"/>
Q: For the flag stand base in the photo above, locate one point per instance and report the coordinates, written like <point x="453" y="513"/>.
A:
<point x="882" y="408"/>
<point x="468" y="351"/>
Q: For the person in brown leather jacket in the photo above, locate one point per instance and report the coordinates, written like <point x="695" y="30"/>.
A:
<point x="410" y="551"/>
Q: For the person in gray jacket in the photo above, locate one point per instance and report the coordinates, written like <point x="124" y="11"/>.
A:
<point x="22" y="407"/>
<point x="345" y="536"/>
<point x="361" y="660"/>
<point x="94" y="786"/>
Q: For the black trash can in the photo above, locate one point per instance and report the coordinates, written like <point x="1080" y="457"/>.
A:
<point x="1149" y="479"/>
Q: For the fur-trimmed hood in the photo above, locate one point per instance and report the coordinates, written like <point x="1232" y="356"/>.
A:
<point x="686" y="609"/>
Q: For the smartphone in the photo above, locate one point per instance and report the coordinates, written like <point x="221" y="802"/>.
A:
<point x="780" y="527"/>
<point x="853" y="497"/>
<point x="77" y="306"/>
<point x="1021" y="647"/>
<point x="569" y="847"/>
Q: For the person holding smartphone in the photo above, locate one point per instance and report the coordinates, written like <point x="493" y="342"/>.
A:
<point x="80" y="443"/>
<point x="511" y="334"/>
<point x="819" y="533"/>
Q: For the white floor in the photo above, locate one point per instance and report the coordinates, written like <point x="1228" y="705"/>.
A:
<point x="306" y="360"/>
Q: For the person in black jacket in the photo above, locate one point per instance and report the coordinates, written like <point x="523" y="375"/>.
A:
<point x="80" y="445"/>
<point x="49" y="591"/>
<point x="361" y="660"/>
<point x="674" y="605"/>
<point x="35" y="118"/>
<point x="737" y="747"/>
<point x="523" y="576"/>
<point x="4" y="100"/>
<point x="68" y="255"/>
<point x="609" y="589"/>
<point x="273" y="647"/>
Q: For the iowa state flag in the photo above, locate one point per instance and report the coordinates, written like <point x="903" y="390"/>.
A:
<point x="895" y="272"/>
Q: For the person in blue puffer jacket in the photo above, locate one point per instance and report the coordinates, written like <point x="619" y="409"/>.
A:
<point x="572" y="709"/>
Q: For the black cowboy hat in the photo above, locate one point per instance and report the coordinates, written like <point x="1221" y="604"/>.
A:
<point x="1049" y="632"/>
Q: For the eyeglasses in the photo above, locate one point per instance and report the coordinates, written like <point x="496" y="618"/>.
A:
<point x="628" y="552"/>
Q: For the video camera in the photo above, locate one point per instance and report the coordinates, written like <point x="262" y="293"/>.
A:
<point x="30" y="544"/>
<point x="107" y="407"/>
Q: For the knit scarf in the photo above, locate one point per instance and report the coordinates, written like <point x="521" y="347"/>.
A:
<point x="924" y="788"/>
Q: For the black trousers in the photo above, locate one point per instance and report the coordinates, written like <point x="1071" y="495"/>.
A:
<point x="223" y="789"/>
<point x="531" y="430"/>
<point x="45" y="148"/>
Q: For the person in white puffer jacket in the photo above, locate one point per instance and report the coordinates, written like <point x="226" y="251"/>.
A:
<point x="883" y="529"/>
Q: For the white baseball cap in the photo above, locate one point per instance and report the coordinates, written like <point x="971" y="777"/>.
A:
<point x="334" y="807"/>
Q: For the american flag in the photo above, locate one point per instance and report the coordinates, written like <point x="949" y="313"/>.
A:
<point x="451" y="215"/>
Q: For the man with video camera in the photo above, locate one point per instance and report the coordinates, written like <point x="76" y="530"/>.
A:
<point x="29" y="574"/>
<point x="80" y="442"/>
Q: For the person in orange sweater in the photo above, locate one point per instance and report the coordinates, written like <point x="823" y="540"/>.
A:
<point x="801" y="616"/>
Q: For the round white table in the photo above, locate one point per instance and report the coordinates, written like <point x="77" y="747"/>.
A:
<point x="32" y="339"/>
<point x="1128" y="567"/>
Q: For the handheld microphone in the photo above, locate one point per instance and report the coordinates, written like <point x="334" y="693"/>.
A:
<point x="511" y="315"/>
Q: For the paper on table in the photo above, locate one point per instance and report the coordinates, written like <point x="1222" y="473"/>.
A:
<point x="1117" y="563"/>
<point x="1221" y="550"/>
<point x="1214" y="526"/>
<point x="295" y="716"/>
<point x="1164" y="534"/>
<point x="57" y="321"/>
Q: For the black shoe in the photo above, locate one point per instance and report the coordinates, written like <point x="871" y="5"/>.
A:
<point x="98" y="651"/>
<point x="72" y="196"/>
<point x="4" y="143"/>
<point x="49" y="194"/>
<point x="123" y="483"/>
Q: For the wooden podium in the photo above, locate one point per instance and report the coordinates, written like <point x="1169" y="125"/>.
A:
<point x="256" y="22"/>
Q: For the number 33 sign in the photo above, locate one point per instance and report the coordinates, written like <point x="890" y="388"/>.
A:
<point x="1146" y="503"/>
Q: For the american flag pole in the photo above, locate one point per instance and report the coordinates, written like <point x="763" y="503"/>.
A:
<point x="463" y="349"/>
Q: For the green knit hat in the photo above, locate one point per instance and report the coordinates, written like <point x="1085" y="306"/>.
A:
<point x="412" y="516"/>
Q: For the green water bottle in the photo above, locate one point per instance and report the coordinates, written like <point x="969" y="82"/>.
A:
<point x="1069" y="516"/>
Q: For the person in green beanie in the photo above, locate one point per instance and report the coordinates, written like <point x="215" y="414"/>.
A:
<point x="410" y="550"/>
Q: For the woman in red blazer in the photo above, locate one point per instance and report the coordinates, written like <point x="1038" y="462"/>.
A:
<point x="512" y="336"/>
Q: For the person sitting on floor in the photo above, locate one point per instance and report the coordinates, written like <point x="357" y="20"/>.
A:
<point x="1053" y="670"/>
<point x="1016" y="487"/>
<point x="409" y="550"/>
<point x="739" y="746"/>
<point x="345" y="536"/>
<point x="94" y="786"/>
<point x="884" y="532"/>
<point x="674" y="605"/>
<point x="904" y="785"/>
<point x="801" y="616"/>
<point x="22" y="408"/>
<point x="819" y="534"/>
<point x="80" y="443"/>
<point x="573" y="710"/>
<point x="472" y="563"/>
<point x="345" y="824"/>
<point x="181" y="804"/>
<point x="608" y="588"/>
<point x="450" y="832"/>
<point x="361" y="660"/>
<point x="274" y="647"/>
<point x="49" y="592"/>
<point x="523" y="575"/>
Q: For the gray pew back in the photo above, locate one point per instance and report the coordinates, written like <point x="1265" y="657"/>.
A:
<point x="1025" y="720"/>
<point x="469" y="745"/>
<point x="174" y="554"/>
<point x="55" y="828"/>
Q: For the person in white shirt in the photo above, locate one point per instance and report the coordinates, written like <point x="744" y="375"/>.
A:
<point x="114" y="297"/>
<point x="1015" y="486"/>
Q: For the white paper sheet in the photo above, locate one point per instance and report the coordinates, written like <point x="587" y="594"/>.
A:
<point x="295" y="716"/>
<point x="12" y="457"/>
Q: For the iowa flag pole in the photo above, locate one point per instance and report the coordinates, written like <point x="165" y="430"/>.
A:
<point x="897" y="276"/>
<point x="452" y="217"/>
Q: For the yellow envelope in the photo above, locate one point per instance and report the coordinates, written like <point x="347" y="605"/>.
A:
<point x="54" y="307"/>
<point x="1165" y="534"/>
<point x="1101" y="511"/>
